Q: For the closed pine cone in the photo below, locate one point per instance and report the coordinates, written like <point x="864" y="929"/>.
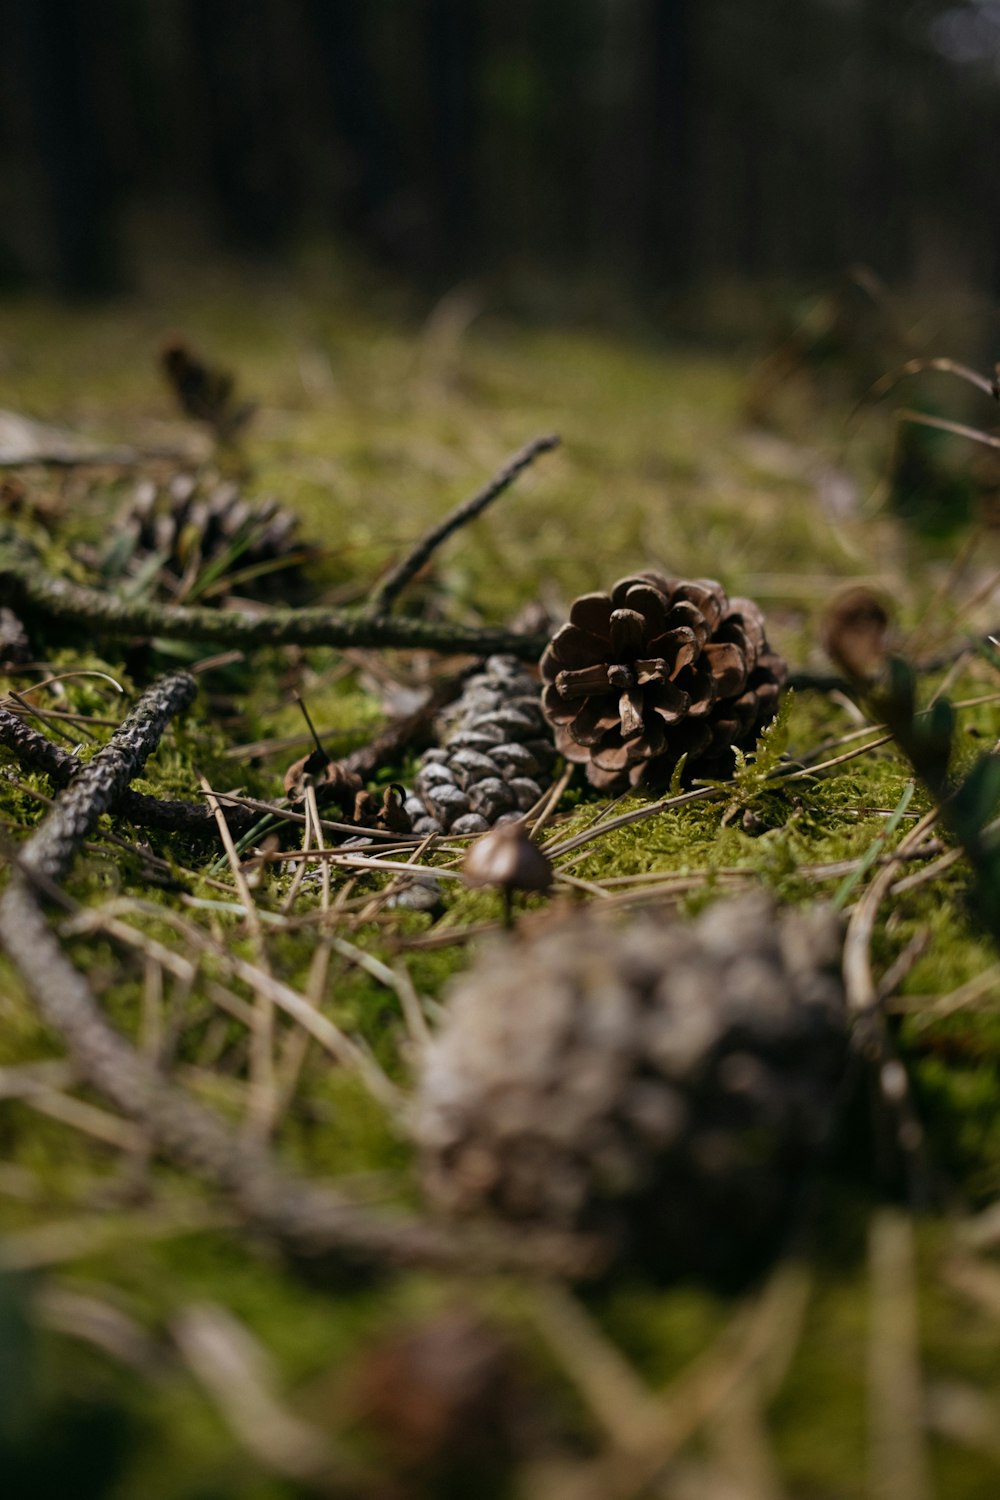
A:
<point x="664" y="1082"/>
<point x="496" y="757"/>
<point x="657" y="669"/>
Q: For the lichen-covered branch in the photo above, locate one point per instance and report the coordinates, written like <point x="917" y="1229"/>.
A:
<point x="25" y="583"/>
<point x="102" y="781"/>
<point x="38" y="753"/>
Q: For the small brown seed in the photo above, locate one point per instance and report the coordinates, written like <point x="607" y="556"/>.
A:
<point x="856" y="633"/>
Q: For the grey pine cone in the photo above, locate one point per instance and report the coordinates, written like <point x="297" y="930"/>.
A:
<point x="191" y="523"/>
<point x="496" y="756"/>
<point x="664" y="1082"/>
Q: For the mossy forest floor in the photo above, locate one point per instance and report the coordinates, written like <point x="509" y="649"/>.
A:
<point x="868" y="1362"/>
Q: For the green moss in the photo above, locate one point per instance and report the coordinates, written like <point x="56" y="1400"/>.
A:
<point x="371" y="433"/>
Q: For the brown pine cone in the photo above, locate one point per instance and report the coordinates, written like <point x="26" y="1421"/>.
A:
<point x="663" y="1082"/>
<point x="654" y="670"/>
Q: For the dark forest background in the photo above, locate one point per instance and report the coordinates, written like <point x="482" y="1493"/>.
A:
<point x="654" y="143"/>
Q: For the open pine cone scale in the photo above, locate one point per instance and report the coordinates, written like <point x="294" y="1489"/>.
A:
<point x="654" y="670"/>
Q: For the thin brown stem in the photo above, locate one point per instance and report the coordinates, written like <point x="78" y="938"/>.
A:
<point x="389" y="590"/>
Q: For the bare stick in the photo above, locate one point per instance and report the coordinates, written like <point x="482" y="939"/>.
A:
<point x="310" y="725"/>
<point x="944" y="424"/>
<point x="235" y="1372"/>
<point x="413" y="730"/>
<point x="898" y="1462"/>
<point x="262" y="1096"/>
<point x="944" y="366"/>
<point x="395" y="582"/>
<point x="871" y="1038"/>
<point x="297" y="1046"/>
<point x="100" y="458"/>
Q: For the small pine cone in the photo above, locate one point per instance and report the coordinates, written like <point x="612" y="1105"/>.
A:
<point x="662" y="1083"/>
<point x="191" y="525"/>
<point x="657" y="669"/>
<point x="496" y="758"/>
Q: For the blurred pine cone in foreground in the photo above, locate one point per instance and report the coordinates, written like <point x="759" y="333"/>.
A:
<point x="657" y="669"/>
<point x="664" y="1082"/>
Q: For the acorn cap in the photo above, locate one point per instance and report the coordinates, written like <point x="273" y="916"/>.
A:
<point x="507" y="859"/>
<point x="443" y="1395"/>
<point x="856" y="632"/>
<point x="332" y="781"/>
<point x="388" y="814"/>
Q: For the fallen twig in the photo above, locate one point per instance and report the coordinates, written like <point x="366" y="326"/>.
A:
<point x="25" y="443"/>
<point x="24" y="582"/>
<point x="870" y="1034"/>
<point x="409" y="731"/>
<point x="898" y="1462"/>
<point x="389" y="590"/>
<point x="236" y="1373"/>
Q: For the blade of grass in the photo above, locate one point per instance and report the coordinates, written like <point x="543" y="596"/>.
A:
<point x="851" y="882"/>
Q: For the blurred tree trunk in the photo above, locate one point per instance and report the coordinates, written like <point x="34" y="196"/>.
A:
<point x="371" y="170"/>
<point x="53" y="38"/>
<point x="668" y="162"/>
<point x="641" y="143"/>
<point x="249" y="167"/>
<point x="882" y="203"/>
<point x="622" y="164"/>
<point x="453" y="38"/>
